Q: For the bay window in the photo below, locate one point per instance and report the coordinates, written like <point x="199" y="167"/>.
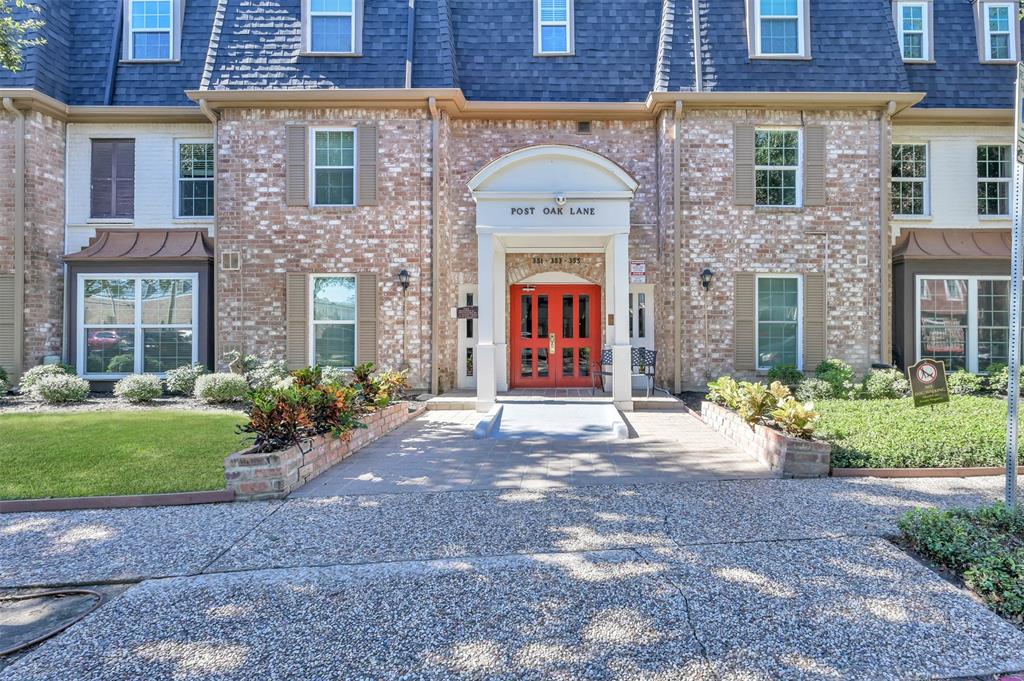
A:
<point x="135" y="323"/>
<point x="333" y="320"/>
<point x="779" y="321"/>
<point x="963" y="321"/>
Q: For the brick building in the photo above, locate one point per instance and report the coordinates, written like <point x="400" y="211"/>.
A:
<point x="493" y="194"/>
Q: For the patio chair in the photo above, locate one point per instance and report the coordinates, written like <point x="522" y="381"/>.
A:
<point x="643" y="362"/>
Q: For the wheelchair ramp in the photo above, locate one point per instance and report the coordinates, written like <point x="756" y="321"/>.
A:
<point x="552" y="419"/>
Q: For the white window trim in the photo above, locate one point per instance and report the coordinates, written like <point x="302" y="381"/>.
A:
<point x="313" y="323"/>
<point x="1014" y="20"/>
<point x="178" y="180"/>
<point x="313" y="167"/>
<point x="972" y="312"/>
<point x="169" y="31"/>
<point x="799" y="167"/>
<point x="309" y="14"/>
<point x="926" y="180"/>
<point x="137" y="326"/>
<point x="926" y="30"/>
<point x="799" y="317"/>
<point x="1008" y="181"/>
<point x="801" y="32"/>
<point x="570" y="31"/>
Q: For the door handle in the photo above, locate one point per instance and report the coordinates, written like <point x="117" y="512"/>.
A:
<point x="551" y="343"/>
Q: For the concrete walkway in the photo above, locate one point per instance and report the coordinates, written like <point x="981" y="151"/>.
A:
<point x="746" y="579"/>
<point x="437" y="453"/>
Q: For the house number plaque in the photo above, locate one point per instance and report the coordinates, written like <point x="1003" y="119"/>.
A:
<point x="557" y="260"/>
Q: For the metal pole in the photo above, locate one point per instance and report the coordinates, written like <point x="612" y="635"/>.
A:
<point x="1016" y="265"/>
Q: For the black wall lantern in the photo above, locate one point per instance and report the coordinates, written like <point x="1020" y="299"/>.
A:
<point x="705" y="278"/>
<point x="403" y="279"/>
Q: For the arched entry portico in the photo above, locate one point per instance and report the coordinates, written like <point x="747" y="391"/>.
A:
<point x="551" y="199"/>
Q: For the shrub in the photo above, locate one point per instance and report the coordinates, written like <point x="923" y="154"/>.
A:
<point x="334" y="375"/>
<point x="259" y="373"/>
<point x="724" y="391"/>
<point x="985" y="546"/>
<point x="965" y="383"/>
<point x="757" y="400"/>
<point x="814" y="390"/>
<point x="121" y="364"/>
<point x="796" y="418"/>
<point x="221" y="388"/>
<point x="390" y="386"/>
<point x="36" y="373"/>
<point x="838" y="374"/>
<point x="139" y="388"/>
<point x="787" y="374"/>
<point x="885" y="384"/>
<point x="60" y="388"/>
<point x="182" y="381"/>
<point x="284" y="417"/>
<point x="999" y="378"/>
<point x="5" y="386"/>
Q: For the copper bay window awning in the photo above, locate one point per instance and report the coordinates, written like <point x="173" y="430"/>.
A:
<point x="146" y="244"/>
<point x="953" y="244"/>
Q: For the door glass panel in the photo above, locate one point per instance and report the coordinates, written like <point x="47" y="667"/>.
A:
<point x="567" y="317"/>
<point x="526" y="363"/>
<point x="584" y="317"/>
<point x="542" y="362"/>
<point x="542" y="316"/>
<point x="568" y="367"/>
<point x="944" y="321"/>
<point x="584" y="362"/>
<point x="469" y="361"/>
<point x="631" y="315"/>
<point x="641" y="311"/>
<point x="469" y="322"/>
<point x="526" y="318"/>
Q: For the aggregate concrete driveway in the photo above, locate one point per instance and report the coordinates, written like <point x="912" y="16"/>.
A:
<point x="747" y="579"/>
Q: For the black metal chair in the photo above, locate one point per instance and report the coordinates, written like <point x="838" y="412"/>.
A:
<point x="643" y="362"/>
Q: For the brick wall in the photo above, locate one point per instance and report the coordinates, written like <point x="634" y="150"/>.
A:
<point x="275" y="239"/>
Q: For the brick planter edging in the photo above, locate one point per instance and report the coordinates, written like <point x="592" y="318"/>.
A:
<point x="788" y="456"/>
<point x="254" y="476"/>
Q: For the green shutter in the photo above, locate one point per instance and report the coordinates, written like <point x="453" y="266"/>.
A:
<point x="297" y="321"/>
<point x="366" y="318"/>
<point x="814" y="320"/>
<point x="743" y="164"/>
<point x="744" y="324"/>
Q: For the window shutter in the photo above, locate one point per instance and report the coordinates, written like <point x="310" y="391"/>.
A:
<point x="7" y="359"/>
<point x="814" y="165"/>
<point x="366" y="318"/>
<point x="296" y="168"/>
<point x="102" y="179"/>
<point x="744" y="324"/>
<point x="814" y="320"/>
<point x="743" y="164"/>
<point x="297" y="322"/>
<point x="124" y="179"/>
<point x="367" y="182"/>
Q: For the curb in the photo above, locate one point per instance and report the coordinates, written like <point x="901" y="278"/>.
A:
<point x="917" y="472"/>
<point x="490" y="423"/>
<point x="127" y="501"/>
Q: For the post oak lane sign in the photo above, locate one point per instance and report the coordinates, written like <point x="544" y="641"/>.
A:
<point x="928" y="383"/>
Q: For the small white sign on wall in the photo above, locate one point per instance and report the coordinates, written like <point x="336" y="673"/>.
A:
<point x="637" y="271"/>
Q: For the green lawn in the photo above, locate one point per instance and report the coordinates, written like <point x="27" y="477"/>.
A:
<point x="126" y="452"/>
<point x="968" y="431"/>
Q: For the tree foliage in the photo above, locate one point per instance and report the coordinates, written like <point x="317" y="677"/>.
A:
<point x="16" y="31"/>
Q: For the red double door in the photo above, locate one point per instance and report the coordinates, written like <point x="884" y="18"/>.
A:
<point x="555" y="335"/>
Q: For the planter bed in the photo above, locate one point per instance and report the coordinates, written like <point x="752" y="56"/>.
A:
<point x="918" y="472"/>
<point x="790" y="457"/>
<point x="273" y="475"/>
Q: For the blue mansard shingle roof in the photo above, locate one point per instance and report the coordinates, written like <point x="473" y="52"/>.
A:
<point x="958" y="79"/>
<point x="624" y="49"/>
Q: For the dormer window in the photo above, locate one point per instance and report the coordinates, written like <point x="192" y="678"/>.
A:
<point x="779" y="28"/>
<point x="914" y="25"/>
<point x="553" y="27"/>
<point x="998" y="30"/>
<point x="150" y="30"/>
<point x="333" y="26"/>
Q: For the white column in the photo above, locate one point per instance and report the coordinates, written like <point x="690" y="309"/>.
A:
<point x="622" y="382"/>
<point x="500" y="318"/>
<point x="486" y="391"/>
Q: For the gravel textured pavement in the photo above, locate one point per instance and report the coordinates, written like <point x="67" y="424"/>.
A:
<point x="756" y="579"/>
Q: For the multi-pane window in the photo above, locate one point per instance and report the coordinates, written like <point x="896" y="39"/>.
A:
<point x="334" y="172"/>
<point x="778" y="321"/>
<point x="779" y="27"/>
<point x="553" y="26"/>
<point x="913" y="30"/>
<point x="331" y="26"/>
<point x="195" y="179"/>
<point x="136" y="323"/>
<point x="333" y="320"/>
<point x="964" y="321"/>
<point x="994" y="175"/>
<point x="999" y="31"/>
<point x="777" y="167"/>
<point x="150" y="29"/>
<point x="909" y="179"/>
